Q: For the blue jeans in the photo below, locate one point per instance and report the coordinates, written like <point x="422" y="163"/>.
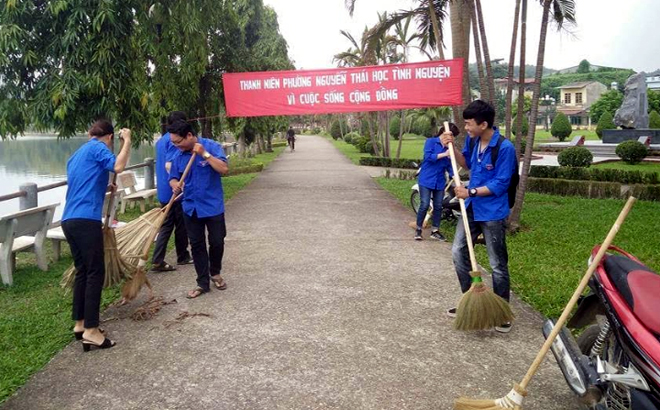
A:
<point x="424" y="201"/>
<point x="495" y="237"/>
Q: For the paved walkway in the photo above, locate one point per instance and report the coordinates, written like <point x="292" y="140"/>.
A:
<point x="331" y="305"/>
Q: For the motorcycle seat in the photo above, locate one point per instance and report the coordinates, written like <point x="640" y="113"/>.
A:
<point x="639" y="286"/>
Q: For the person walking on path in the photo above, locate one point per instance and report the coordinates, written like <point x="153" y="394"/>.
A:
<point x="291" y="138"/>
<point x="486" y="197"/>
<point x="87" y="180"/>
<point x="203" y="202"/>
<point x="432" y="182"/>
<point x="165" y="152"/>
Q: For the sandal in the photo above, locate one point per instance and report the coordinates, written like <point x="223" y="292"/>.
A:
<point x="188" y="261"/>
<point x="88" y="344"/>
<point x="219" y="283"/>
<point x="162" y="267"/>
<point x="196" y="293"/>
<point x="78" y="335"/>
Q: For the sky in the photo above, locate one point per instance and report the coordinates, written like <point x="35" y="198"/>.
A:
<point x="625" y="38"/>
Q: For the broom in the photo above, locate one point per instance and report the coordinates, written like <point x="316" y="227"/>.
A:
<point x="514" y="399"/>
<point x="479" y="308"/>
<point x="134" y="237"/>
<point x="117" y="268"/>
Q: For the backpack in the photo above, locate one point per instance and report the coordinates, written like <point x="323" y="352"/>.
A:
<point x="515" y="176"/>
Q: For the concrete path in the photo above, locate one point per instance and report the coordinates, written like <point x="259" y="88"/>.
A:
<point x="331" y="305"/>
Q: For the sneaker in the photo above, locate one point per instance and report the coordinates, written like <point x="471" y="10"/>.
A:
<point x="451" y="312"/>
<point x="504" y="328"/>
<point x="418" y="234"/>
<point x="437" y="235"/>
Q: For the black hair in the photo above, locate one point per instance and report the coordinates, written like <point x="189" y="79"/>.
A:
<point x="181" y="128"/>
<point x="101" y="128"/>
<point x="452" y="127"/>
<point x="176" y="116"/>
<point x="480" y="111"/>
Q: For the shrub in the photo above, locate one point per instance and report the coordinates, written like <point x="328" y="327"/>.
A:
<point x="631" y="151"/>
<point x="364" y="128"/>
<point x="351" y="137"/>
<point x="395" y="127"/>
<point x="605" y="122"/>
<point x="422" y="126"/>
<point x="389" y="162"/>
<point x="316" y="131"/>
<point x="595" y="174"/>
<point x="335" y="130"/>
<point x="561" y="127"/>
<point x="525" y="126"/>
<point x="364" y="145"/>
<point x="575" y="157"/>
<point x="654" y="120"/>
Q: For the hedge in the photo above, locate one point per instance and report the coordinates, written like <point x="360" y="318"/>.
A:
<point x="593" y="189"/>
<point x="258" y="167"/>
<point x="389" y="162"/>
<point x="595" y="174"/>
<point x="276" y="144"/>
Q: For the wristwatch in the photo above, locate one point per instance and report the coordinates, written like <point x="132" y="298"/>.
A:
<point x="472" y="192"/>
<point x="206" y="155"/>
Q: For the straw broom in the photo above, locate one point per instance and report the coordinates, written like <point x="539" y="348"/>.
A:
<point x="479" y="308"/>
<point x="134" y="237"/>
<point x="514" y="399"/>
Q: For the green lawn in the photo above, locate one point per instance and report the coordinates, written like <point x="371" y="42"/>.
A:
<point x="642" y="166"/>
<point x="412" y="147"/>
<point x="548" y="257"/>
<point x="544" y="136"/>
<point x="35" y="313"/>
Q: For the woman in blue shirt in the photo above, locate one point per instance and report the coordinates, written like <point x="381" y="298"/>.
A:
<point x="88" y="172"/>
<point x="432" y="182"/>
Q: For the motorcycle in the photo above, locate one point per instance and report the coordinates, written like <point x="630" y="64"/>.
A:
<point x="451" y="209"/>
<point x="615" y="363"/>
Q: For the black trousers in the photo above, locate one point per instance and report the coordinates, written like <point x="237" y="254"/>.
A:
<point x="207" y="263"/>
<point x="173" y="222"/>
<point x="85" y="239"/>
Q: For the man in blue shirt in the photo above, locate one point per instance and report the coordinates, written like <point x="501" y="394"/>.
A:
<point x="165" y="152"/>
<point x="203" y="202"/>
<point x="432" y="182"/>
<point x="486" y="198"/>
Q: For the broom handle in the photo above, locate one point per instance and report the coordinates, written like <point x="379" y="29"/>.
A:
<point x="113" y="189"/>
<point x="578" y="292"/>
<point x="457" y="182"/>
<point x="181" y="180"/>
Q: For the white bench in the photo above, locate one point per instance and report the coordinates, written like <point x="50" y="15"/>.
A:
<point x="126" y="182"/>
<point x="16" y="232"/>
<point x="577" y="141"/>
<point x="56" y="235"/>
<point x="645" y="140"/>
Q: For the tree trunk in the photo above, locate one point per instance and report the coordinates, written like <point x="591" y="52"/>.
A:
<point x="436" y="30"/>
<point x="372" y="135"/>
<point x="521" y="79"/>
<point x="460" y="32"/>
<point x="480" y="67"/>
<point x="341" y="127"/>
<point x="259" y="144"/>
<point x="269" y="142"/>
<point x="202" y="101"/>
<point x="490" y="83"/>
<point x="509" y="85"/>
<point x="514" y="220"/>
<point x="403" y="121"/>
<point x="386" y="124"/>
<point x="241" y="144"/>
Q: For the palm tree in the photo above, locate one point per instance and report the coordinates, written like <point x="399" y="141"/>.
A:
<point x="521" y="77"/>
<point x="490" y="83"/>
<point x="563" y="12"/>
<point x="509" y="86"/>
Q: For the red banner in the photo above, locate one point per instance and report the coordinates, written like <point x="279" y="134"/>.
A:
<point x="354" y="89"/>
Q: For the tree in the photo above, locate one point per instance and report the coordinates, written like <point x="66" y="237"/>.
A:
<point x="654" y="120"/>
<point x="509" y="85"/>
<point x="654" y="100"/>
<point x="521" y="74"/>
<point x="563" y="12"/>
<point x="525" y="128"/>
<point x="609" y="102"/>
<point x="584" y="67"/>
<point x="561" y="127"/>
<point x="605" y="122"/>
<point x="527" y="105"/>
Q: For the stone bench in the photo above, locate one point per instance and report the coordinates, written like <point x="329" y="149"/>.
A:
<point x="577" y="141"/>
<point x="126" y="182"/>
<point x="24" y="231"/>
<point x="645" y="140"/>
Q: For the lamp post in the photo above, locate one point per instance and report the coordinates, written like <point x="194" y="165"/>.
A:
<point x="549" y="103"/>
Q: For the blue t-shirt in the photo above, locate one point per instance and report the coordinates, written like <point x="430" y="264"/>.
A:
<point x="496" y="177"/>
<point x="87" y="172"/>
<point x="432" y="173"/>
<point x="165" y="152"/>
<point x="202" y="192"/>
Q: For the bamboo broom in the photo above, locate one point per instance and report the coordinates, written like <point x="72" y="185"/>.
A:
<point x="131" y="288"/>
<point x="514" y="399"/>
<point x="479" y="308"/>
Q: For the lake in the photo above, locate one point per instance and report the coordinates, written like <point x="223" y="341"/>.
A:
<point x="42" y="159"/>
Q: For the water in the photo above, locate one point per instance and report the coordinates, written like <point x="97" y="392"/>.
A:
<point x="42" y="160"/>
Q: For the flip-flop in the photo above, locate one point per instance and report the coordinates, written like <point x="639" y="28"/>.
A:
<point x="220" y="283"/>
<point x="163" y="267"/>
<point x="195" y="293"/>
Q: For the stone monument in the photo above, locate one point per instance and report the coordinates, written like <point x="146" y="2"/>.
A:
<point x="633" y="113"/>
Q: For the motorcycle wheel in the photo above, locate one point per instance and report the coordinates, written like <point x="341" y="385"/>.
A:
<point x="587" y="339"/>
<point x="414" y="201"/>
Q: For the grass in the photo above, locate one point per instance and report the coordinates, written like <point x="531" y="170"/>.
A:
<point x="35" y="313"/>
<point x="642" y="166"/>
<point x="545" y="136"/>
<point x="412" y="147"/>
<point x="548" y="257"/>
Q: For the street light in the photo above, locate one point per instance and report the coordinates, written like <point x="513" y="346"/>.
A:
<point x="549" y="103"/>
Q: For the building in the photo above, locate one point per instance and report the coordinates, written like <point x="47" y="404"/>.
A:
<point x="575" y="100"/>
<point x="501" y="85"/>
<point x="653" y="80"/>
